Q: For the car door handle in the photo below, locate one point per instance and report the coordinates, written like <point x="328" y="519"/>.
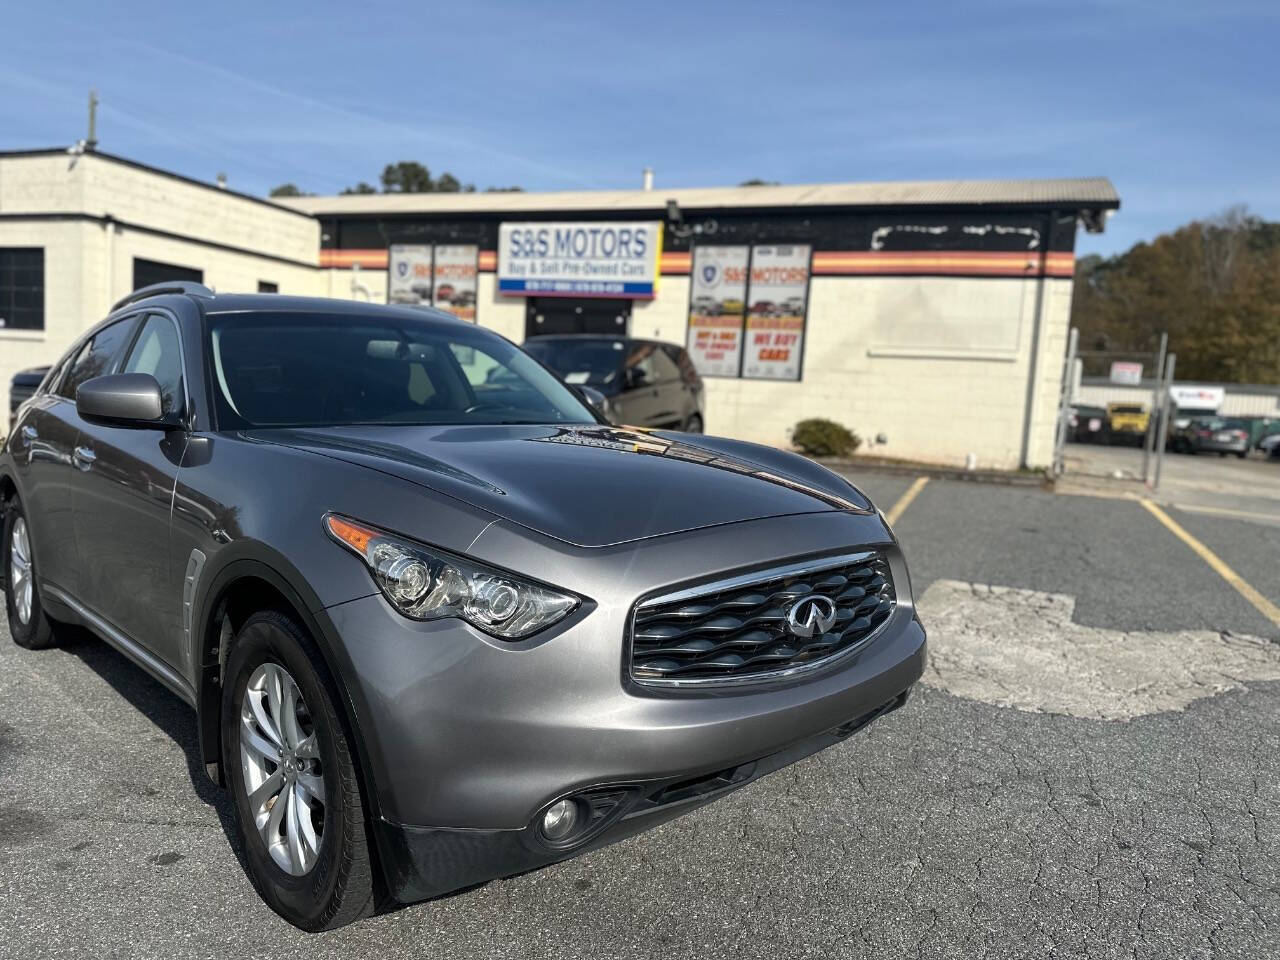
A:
<point x="83" y="457"/>
<point x="29" y="433"/>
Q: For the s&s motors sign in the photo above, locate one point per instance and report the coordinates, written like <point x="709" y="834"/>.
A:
<point x="579" y="259"/>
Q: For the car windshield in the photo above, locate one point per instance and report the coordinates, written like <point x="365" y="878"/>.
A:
<point x="301" y="369"/>
<point x="1127" y="409"/>
<point x="595" y="362"/>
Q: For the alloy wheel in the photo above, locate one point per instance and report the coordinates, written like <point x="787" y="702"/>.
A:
<point x="20" y="570"/>
<point x="283" y="779"/>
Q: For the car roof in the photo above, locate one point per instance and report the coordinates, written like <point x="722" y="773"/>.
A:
<point x="280" y="303"/>
<point x="229" y="303"/>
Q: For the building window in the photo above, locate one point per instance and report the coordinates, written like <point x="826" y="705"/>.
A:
<point x="147" y="272"/>
<point x="22" y="288"/>
<point x="266" y="286"/>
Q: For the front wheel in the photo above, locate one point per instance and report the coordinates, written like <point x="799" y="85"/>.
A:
<point x="292" y="773"/>
<point x="28" y="624"/>
<point x="693" y="424"/>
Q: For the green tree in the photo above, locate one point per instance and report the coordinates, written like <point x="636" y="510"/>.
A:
<point x="1214" y="285"/>
<point x="757" y="182"/>
<point x="407" y="176"/>
<point x="288" y="190"/>
<point x="360" y="187"/>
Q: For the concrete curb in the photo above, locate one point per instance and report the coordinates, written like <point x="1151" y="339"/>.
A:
<point x="902" y="468"/>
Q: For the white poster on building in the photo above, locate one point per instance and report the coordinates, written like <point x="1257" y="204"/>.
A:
<point x="1127" y="373"/>
<point x="455" y="279"/>
<point x="777" y="298"/>
<point x="579" y="259"/>
<point x="409" y="274"/>
<point x="717" y="304"/>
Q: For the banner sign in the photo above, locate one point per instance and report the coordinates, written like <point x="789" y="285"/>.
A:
<point x="1127" y="373"/>
<point x="777" y="299"/>
<point x="579" y="259"/>
<point x="454" y="279"/>
<point x="1198" y="398"/>
<point x="409" y="274"/>
<point x="717" y="304"/>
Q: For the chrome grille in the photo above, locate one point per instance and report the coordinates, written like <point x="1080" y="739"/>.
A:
<point x="737" y="630"/>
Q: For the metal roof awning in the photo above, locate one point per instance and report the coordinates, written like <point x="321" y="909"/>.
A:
<point x="1079" y="193"/>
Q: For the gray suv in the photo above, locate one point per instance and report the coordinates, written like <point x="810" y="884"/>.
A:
<point x="438" y="625"/>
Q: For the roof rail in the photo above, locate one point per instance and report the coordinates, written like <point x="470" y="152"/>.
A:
<point x="157" y="289"/>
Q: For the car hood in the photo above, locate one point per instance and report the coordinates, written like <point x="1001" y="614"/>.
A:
<point x="587" y="485"/>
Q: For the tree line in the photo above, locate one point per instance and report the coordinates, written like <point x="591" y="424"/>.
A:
<point x="1213" y="284"/>
<point x="407" y="176"/>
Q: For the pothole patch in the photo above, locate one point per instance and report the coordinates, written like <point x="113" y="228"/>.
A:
<point x="1019" y="648"/>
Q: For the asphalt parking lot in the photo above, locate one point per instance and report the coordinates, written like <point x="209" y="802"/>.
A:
<point x="1091" y="769"/>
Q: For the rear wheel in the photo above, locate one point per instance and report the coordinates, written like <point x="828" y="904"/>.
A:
<point x="28" y="624"/>
<point x="292" y="772"/>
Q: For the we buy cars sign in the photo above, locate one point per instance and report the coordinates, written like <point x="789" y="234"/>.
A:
<point x="777" y="302"/>
<point x="579" y="259"/>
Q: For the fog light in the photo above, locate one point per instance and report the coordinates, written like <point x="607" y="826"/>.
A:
<point x="560" y="820"/>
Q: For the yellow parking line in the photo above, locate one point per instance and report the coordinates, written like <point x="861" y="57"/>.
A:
<point x="1263" y="605"/>
<point x="904" y="501"/>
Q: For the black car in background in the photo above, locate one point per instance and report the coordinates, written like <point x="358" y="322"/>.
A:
<point x="22" y="386"/>
<point x="645" y="383"/>
<point x="1087" y="424"/>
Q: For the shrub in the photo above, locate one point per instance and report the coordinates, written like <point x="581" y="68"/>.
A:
<point x="824" y="438"/>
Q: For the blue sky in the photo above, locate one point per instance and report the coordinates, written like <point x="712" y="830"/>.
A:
<point x="1176" y="103"/>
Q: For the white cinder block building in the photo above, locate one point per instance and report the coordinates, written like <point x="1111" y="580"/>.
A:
<point x="933" y="315"/>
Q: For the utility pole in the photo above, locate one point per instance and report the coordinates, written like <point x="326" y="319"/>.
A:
<point x="1064" y="402"/>
<point x="1157" y="392"/>
<point x="91" y="141"/>
<point x="1164" y="420"/>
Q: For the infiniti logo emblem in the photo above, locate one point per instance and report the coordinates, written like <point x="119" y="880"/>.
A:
<point x="811" y="615"/>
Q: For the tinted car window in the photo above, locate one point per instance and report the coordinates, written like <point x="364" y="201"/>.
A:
<point x="661" y="365"/>
<point x="157" y="352"/>
<point x="289" y="369"/>
<point x="595" y="362"/>
<point x="650" y="364"/>
<point x="97" y="357"/>
<point x="682" y="360"/>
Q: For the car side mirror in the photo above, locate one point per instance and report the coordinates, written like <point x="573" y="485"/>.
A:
<point x="592" y="398"/>
<point x="633" y="377"/>
<point x="122" y="400"/>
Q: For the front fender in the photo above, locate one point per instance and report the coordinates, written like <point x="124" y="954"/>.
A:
<point x="251" y="560"/>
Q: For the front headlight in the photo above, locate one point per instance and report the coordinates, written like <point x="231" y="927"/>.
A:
<point x="427" y="583"/>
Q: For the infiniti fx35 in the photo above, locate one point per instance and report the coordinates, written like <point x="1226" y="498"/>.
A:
<point x="439" y="623"/>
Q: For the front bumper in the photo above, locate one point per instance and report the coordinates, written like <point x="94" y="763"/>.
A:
<point x="1222" y="446"/>
<point x="424" y="862"/>
<point x="469" y="738"/>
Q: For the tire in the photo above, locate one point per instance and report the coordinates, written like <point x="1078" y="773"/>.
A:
<point x="336" y="887"/>
<point x="35" y="631"/>
<point x="1242" y="454"/>
<point x="693" y="424"/>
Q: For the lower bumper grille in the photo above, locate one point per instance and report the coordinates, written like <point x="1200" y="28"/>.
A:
<point x="763" y="625"/>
